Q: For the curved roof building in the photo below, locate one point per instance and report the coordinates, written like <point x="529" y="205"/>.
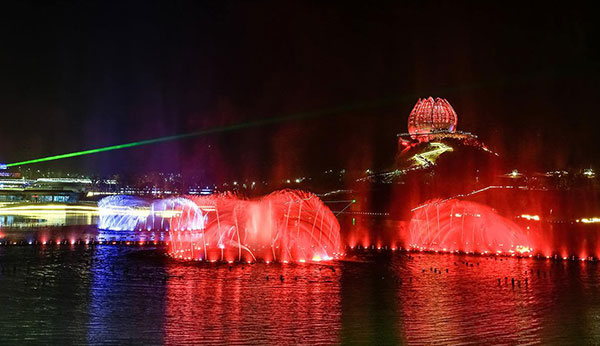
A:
<point x="432" y="131"/>
<point x="431" y="116"/>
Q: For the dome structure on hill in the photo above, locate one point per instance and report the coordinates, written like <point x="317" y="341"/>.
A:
<point x="432" y="132"/>
<point x="432" y="120"/>
<point x="432" y="116"/>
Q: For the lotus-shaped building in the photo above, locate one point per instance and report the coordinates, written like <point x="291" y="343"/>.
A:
<point x="434" y="120"/>
<point x="431" y="116"/>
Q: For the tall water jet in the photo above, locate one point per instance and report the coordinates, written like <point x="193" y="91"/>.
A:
<point x="285" y="226"/>
<point x="123" y="213"/>
<point x="456" y="225"/>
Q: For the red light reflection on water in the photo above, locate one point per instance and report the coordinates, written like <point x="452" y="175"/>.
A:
<point x="468" y="305"/>
<point x="380" y="299"/>
<point x="252" y="304"/>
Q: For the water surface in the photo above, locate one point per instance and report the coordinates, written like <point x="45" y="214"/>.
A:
<point x="104" y="294"/>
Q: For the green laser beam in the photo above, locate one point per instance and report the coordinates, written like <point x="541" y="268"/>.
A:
<point x="267" y="121"/>
<point x="506" y="80"/>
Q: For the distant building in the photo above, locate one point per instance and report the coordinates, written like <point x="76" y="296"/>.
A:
<point x="434" y="120"/>
<point x="430" y="116"/>
<point x="42" y="190"/>
<point x="38" y="196"/>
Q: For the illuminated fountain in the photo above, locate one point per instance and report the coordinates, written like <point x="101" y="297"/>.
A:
<point x="455" y="225"/>
<point x="130" y="213"/>
<point x="123" y="213"/>
<point x="175" y="213"/>
<point x="285" y="226"/>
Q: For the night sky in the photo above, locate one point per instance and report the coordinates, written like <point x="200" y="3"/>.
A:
<point x="80" y="75"/>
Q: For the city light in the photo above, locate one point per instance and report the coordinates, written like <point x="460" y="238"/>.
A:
<point x="429" y="157"/>
<point x="590" y="220"/>
<point x="530" y="217"/>
<point x="47" y="209"/>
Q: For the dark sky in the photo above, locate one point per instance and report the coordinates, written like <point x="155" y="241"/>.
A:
<point x="81" y="75"/>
